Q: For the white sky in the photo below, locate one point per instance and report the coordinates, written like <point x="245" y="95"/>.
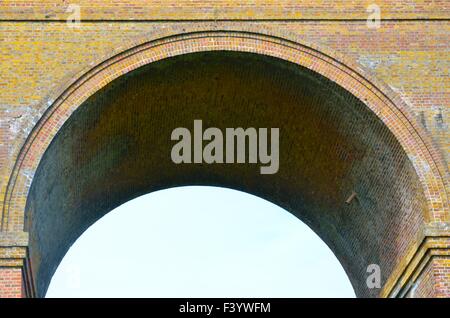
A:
<point x="199" y="242"/>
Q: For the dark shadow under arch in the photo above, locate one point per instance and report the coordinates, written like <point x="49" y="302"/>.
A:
<point x="116" y="146"/>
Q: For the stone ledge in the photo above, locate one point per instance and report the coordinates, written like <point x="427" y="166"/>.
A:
<point x="13" y="239"/>
<point x="437" y="229"/>
<point x="431" y="246"/>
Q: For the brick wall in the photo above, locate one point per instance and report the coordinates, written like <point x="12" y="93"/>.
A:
<point x="442" y="276"/>
<point x="224" y="9"/>
<point x="40" y="55"/>
<point x="10" y="282"/>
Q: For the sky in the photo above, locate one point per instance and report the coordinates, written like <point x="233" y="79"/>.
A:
<point x="195" y="242"/>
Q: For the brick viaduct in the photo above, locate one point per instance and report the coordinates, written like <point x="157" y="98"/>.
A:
<point x="86" y="112"/>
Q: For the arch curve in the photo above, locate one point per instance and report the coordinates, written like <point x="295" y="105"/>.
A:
<point x="377" y="96"/>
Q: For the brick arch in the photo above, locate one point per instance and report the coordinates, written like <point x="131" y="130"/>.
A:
<point x="378" y="97"/>
<point x="393" y="112"/>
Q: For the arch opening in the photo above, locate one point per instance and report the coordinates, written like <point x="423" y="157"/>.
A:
<point x="199" y="242"/>
<point x="116" y="146"/>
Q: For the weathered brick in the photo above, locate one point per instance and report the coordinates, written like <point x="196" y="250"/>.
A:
<point x="400" y="71"/>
